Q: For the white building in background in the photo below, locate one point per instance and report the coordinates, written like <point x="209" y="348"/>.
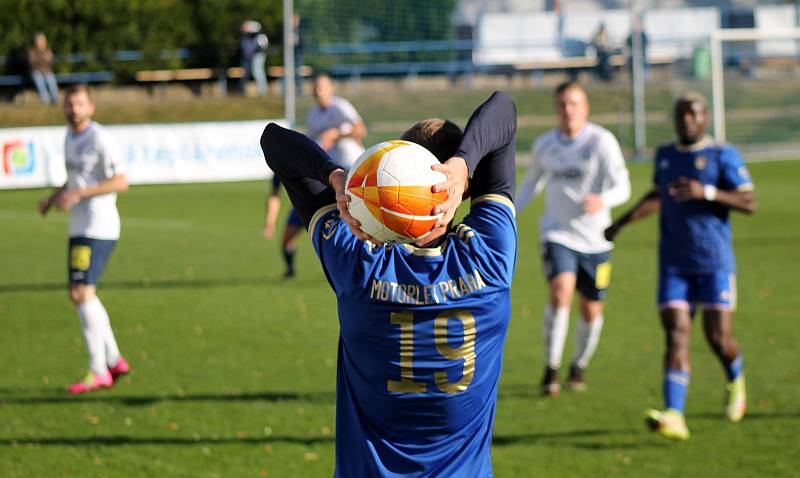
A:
<point x="512" y="32"/>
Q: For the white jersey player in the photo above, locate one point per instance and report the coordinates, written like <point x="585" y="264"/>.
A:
<point x="581" y="166"/>
<point x="335" y="125"/>
<point x="95" y="174"/>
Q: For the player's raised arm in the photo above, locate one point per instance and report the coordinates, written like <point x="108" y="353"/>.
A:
<point x="486" y="154"/>
<point x="302" y="167"/>
<point x="489" y="147"/>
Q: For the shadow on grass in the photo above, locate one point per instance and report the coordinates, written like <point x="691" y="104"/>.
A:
<point x="590" y="439"/>
<point x="748" y="416"/>
<point x="145" y="400"/>
<point x="150" y="284"/>
<point x="566" y="438"/>
<point x="122" y="440"/>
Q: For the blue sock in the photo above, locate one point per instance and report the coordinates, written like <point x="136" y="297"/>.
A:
<point x="734" y="369"/>
<point x="676" y="385"/>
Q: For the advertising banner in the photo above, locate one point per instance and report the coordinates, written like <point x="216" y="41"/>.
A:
<point x="153" y="153"/>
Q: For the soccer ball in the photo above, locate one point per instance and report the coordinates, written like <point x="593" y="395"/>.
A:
<point x="390" y="191"/>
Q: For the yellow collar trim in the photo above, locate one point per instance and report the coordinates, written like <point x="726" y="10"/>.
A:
<point x="705" y="142"/>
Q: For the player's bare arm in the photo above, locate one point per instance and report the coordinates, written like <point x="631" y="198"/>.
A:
<point x="48" y="202"/>
<point x="358" y="131"/>
<point x="70" y="197"/>
<point x="328" y="138"/>
<point x="273" y="208"/>
<point x="685" y="189"/>
<point x="331" y="136"/>
<point x="592" y="203"/>
<point x="650" y="203"/>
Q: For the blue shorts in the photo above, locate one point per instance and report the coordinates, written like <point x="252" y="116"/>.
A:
<point x="86" y="259"/>
<point x="714" y="290"/>
<point x="592" y="271"/>
<point x="294" y="218"/>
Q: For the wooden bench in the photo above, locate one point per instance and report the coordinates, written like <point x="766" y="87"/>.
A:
<point x="303" y="71"/>
<point x="194" y="78"/>
<point x="568" y="63"/>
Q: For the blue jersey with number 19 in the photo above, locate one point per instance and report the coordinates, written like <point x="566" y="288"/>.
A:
<point x="420" y="346"/>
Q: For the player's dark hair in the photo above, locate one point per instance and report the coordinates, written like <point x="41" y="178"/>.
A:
<point x="439" y="136"/>
<point x="77" y="88"/>
<point x="568" y="85"/>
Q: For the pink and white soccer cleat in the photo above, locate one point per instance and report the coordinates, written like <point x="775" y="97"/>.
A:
<point x="91" y="382"/>
<point x="121" y="368"/>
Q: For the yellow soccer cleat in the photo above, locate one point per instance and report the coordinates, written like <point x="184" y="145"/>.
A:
<point x="736" y="399"/>
<point x="670" y="423"/>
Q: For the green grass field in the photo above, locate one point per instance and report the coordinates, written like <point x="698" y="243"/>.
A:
<point x="233" y="370"/>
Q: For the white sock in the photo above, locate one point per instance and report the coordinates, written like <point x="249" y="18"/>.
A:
<point x="110" y="343"/>
<point x="554" y="331"/>
<point x="94" y="333"/>
<point x="587" y="337"/>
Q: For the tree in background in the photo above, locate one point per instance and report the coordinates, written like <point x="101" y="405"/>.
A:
<point x="96" y="29"/>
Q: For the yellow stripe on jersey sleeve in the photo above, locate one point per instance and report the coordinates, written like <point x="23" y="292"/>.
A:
<point x="498" y="198"/>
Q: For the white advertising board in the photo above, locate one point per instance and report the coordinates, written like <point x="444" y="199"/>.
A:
<point x="153" y="153"/>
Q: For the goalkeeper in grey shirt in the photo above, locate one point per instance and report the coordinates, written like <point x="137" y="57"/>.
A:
<point x="582" y="168"/>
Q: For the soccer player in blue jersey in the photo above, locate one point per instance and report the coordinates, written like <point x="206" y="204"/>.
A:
<point x="696" y="184"/>
<point x="422" y="326"/>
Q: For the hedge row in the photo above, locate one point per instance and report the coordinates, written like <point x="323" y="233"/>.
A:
<point x="209" y="28"/>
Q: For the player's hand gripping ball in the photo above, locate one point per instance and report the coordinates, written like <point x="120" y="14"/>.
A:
<point x="390" y="191"/>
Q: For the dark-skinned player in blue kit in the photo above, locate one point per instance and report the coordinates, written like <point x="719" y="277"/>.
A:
<point x="697" y="182"/>
<point x="422" y="326"/>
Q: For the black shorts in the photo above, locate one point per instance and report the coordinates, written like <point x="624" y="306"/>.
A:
<point x="86" y="259"/>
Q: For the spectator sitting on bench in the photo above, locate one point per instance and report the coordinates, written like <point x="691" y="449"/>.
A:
<point x="40" y="62"/>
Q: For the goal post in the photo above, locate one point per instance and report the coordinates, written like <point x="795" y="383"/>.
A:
<point x="720" y="36"/>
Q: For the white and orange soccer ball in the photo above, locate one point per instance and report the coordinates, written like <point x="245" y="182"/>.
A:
<point x="390" y="191"/>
